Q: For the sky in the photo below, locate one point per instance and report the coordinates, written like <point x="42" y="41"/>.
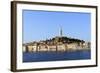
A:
<point x="42" y="25"/>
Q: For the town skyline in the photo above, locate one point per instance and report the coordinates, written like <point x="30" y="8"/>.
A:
<point x="60" y="36"/>
<point x="42" y="25"/>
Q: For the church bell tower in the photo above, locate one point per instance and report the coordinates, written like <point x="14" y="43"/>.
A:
<point x="61" y="32"/>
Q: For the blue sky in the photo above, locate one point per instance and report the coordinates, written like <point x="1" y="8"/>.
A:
<point x="41" y="25"/>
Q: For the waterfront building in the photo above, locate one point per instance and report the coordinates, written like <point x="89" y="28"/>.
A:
<point x="58" y="43"/>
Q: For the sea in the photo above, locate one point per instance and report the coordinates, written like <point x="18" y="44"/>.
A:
<point x="56" y="56"/>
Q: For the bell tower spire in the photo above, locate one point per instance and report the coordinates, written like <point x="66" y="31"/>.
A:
<point x="61" y="32"/>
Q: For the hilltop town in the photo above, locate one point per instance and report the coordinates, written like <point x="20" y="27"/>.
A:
<point x="59" y="44"/>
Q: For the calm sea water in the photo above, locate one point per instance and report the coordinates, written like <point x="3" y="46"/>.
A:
<point x="55" y="56"/>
